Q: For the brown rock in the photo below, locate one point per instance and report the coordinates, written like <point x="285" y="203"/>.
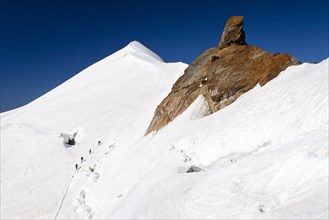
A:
<point x="221" y="76"/>
<point x="233" y="33"/>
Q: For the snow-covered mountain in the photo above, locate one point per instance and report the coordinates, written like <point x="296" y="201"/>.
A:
<point x="264" y="156"/>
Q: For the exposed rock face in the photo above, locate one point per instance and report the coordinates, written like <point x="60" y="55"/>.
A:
<point x="221" y="75"/>
<point x="233" y="33"/>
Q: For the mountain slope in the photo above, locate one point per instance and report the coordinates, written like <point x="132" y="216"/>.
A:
<point x="104" y="101"/>
<point x="264" y="156"/>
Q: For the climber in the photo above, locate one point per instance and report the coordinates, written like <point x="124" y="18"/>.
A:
<point x="76" y="166"/>
<point x="99" y="143"/>
<point x="81" y="159"/>
<point x="89" y="151"/>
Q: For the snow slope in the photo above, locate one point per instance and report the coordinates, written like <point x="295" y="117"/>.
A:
<point x="104" y="102"/>
<point x="264" y="156"/>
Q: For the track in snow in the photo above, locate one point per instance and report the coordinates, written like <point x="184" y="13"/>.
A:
<point x="64" y="196"/>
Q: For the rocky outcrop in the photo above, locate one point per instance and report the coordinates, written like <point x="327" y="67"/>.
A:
<point x="233" y="33"/>
<point x="221" y="75"/>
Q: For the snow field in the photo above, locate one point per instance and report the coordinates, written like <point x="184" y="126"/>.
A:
<point x="103" y="102"/>
<point x="289" y="115"/>
<point x="264" y="156"/>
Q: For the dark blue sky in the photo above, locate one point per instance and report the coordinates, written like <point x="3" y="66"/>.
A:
<point x="44" y="43"/>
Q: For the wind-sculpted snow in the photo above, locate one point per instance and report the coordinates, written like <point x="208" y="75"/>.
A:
<point x="292" y="105"/>
<point x="264" y="156"/>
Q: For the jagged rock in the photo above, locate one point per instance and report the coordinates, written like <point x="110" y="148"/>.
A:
<point x="221" y="76"/>
<point x="233" y="33"/>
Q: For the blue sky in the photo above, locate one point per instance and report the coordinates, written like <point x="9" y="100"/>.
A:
<point x="44" y="43"/>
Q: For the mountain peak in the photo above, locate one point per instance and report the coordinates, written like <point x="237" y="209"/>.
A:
<point x="137" y="49"/>
<point x="138" y="45"/>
